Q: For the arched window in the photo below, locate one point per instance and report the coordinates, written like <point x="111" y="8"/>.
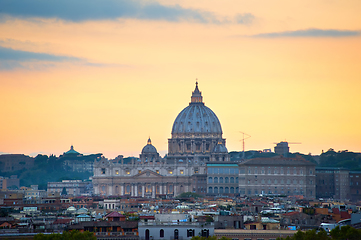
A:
<point x="236" y="179"/>
<point x="147" y="234"/>
<point x="215" y="180"/>
<point x="215" y="189"/>
<point x="210" y="180"/>
<point x="221" y="180"/>
<point x="226" y="190"/>
<point x="226" y="180"/>
<point x="221" y="190"/>
<point x="161" y="233"/>
<point x="176" y="234"/>
<point x="232" y="189"/>
<point x="232" y="179"/>
<point x="210" y="190"/>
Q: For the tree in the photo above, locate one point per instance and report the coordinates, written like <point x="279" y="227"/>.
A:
<point x="189" y="195"/>
<point x="208" y="238"/>
<point x="64" y="191"/>
<point x="73" y="235"/>
<point x="345" y="232"/>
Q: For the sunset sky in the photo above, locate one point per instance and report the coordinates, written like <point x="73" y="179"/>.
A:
<point x="104" y="75"/>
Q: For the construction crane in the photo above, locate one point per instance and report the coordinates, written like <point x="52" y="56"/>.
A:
<point x="245" y="136"/>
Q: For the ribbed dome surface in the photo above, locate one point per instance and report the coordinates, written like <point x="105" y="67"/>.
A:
<point x="149" y="148"/>
<point x="196" y="118"/>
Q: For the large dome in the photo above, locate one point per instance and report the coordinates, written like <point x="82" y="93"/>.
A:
<point x="196" y="118"/>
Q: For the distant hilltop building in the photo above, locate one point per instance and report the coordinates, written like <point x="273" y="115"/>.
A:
<point x="282" y="148"/>
<point x="75" y="161"/>
<point x="198" y="161"/>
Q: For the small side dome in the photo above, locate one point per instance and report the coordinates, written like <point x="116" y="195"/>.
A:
<point x="149" y="148"/>
<point x="72" y="151"/>
<point x="71" y="209"/>
<point x="220" y="148"/>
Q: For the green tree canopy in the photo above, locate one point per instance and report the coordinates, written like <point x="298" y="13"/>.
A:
<point x="73" y="235"/>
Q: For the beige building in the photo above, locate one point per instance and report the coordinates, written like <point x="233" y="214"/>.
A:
<point x="72" y="187"/>
<point x="277" y="175"/>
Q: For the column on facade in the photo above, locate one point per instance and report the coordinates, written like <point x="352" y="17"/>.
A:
<point x="165" y="188"/>
<point x="122" y="190"/>
<point x="161" y="189"/>
<point x="214" y="143"/>
<point x="153" y="191"/>
<point x="136" y="190"/>
<point x="175" y="189"/>
<point x="110" y="189"/>
<point x="132" y="190"/>
<point x="143" y="190"/>
<point x="182" y="146"/>
<point x="192" y="146"/>
<point x="203" y="146"/>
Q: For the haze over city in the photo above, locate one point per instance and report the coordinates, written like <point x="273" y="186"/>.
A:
<point x="106" y="76"/>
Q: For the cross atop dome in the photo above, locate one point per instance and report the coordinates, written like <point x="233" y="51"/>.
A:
<point x="196" y="95"/>
<point x="149" y="141"/>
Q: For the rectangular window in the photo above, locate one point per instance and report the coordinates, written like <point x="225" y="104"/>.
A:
<point x="157" y="171"/>
<point x="181" y="172"/>
<point x="116" y="172"/>
<point x="170" y="172"/>
<point x="103" y="170"/>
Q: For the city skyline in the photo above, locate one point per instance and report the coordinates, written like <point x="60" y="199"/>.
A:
<point x="105" y="76"/>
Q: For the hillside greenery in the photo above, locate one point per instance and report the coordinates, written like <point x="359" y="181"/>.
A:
<point x="73" y="235"/>
<point x="46" y="169"/>
<point x="341" y="159"/>
<point x="343" y="233"/>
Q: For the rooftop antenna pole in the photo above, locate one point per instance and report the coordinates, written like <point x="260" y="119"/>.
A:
<point x="247" y="136"/>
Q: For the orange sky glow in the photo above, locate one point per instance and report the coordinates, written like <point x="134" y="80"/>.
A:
<point x="276" y="70"/>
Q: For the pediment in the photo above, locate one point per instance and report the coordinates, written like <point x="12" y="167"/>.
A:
<point x="147" y="174"/>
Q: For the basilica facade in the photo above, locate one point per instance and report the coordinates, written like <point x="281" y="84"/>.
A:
<point x="198" y="161"/>
<point x="196" y="140"/>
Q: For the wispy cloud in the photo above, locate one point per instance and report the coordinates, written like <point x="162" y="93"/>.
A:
<point x="313" y="32"/>
<point x="84" y="10"/>
<point x="11" y="59"/>
<point x="9" y="54"/>
<point x="14" y="59"/>
<point x="246" y="18"/>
